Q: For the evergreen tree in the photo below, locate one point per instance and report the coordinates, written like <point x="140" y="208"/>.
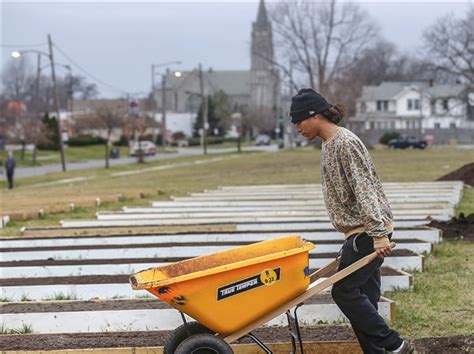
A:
<point x="50" y="133"/>
<point x="218" y="111"/>
<point x="212" y="120"/>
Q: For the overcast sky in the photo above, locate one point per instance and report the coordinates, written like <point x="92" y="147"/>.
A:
<point x="116" y="42"/>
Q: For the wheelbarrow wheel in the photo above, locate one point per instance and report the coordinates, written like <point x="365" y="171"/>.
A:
<point x="204" y="344"/>
<point x="181" y="333"/>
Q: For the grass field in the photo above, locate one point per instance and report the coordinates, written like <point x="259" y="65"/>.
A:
<point x="55" y="192"/>
<point x="442" y="302"/>
<point x="467" y="203"/>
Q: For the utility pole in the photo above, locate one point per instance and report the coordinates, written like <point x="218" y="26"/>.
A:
<point x="163" y="95"/>
<point x="288" y="129"/>
<point x="205" y="108"/>
<point x="71" y="92"/>
<point x="38" y="76"/>
<point x="153" y="89"/>
<point x="37" y="101"/>
<point x="153" y="96"/>
<point x="56" y="103"/>
<point x="163" y="108"/>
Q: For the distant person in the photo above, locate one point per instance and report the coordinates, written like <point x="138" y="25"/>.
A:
<point x="357" y="206"/>
<point x="10" y="168"/>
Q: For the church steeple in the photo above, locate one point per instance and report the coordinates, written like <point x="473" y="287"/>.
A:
<point x="262" y="46"/>
<point x="262" y="22"/>
<point x="264" y="81"/>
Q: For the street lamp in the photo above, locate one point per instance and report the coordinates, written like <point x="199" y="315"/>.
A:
<point x="17" y="54"/>
<point x="163" y="94"/>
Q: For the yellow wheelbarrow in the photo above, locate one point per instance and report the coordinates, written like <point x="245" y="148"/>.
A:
<point x="233" y="292"/>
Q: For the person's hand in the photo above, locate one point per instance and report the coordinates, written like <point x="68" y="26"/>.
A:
<point x="382" y="247"/>
<point x="383" y="251"/>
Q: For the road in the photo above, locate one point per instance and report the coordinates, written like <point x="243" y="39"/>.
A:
<point x="22" y="172"/>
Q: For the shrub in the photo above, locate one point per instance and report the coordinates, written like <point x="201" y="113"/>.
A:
<point x="194" y="141"/>
<point x="232" y="140"/>
<point x="85" y="140"/>
<point x="211" y="140"/>
<point x="388" y="136"/>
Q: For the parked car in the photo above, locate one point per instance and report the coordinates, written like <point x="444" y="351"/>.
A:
<point x="262" y="139"/>
<point x="147" y="147"/>
<point x="407" y="142"/>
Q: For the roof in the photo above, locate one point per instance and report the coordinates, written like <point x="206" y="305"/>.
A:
<point x="387" y="90"/>
<point x="446" y="90"/>
<point x="232" y="82"/>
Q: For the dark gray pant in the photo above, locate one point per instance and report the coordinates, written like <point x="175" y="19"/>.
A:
<point x="10" y="180"/>
<point x="357" y="296"/>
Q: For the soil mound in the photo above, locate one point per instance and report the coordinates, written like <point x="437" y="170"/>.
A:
<point x="461" y="228"/>
<point x="444" y="345"/>
<point x="465" y="174"/>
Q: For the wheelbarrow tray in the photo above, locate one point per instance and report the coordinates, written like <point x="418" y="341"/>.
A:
<point x="230" y="290"/>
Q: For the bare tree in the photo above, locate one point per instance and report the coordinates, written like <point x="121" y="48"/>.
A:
<point x="19" y="126"/>
<point x="262" y="120"/>
<point x="21" y="83"/>
<point x="140" y="125"/>
<point x="449" y="45"/>
<point x="380" y="62"/>
<point x="321" y="38"/>
<point x="103" y="121"/>
<point x="75" y="86"/>
<point x="17" y="80"/>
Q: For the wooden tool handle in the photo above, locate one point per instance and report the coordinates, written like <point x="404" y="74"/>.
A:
<point x="311" y="291"/>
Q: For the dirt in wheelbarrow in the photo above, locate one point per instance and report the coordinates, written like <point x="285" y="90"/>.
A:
<point x="460" y="228"/>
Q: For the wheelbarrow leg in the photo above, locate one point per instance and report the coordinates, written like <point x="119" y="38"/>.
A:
<point x="185" y="323"/>
<point x="259" y="343"/>
<point x="295" y="332"/>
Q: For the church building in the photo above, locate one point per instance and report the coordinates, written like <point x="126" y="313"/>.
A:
<point x="249" y="90"/>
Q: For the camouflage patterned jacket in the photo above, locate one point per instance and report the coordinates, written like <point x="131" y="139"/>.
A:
<point x="353" y="193"/>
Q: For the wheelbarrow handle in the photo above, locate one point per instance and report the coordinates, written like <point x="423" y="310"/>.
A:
<point x="311" y="291"/>
<point x="332" y="266"/>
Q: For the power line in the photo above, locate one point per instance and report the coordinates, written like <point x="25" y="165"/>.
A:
<point x="21" y="45"/>
<point x="92" y="76"/>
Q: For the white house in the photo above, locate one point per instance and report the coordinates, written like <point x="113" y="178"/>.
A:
<point x="178" y="122"/>
<point x="438" y="113"/>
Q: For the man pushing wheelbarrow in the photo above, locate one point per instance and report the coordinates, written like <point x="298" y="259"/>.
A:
<point x="357" y="206"/>
<point x="231" y="293"/>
